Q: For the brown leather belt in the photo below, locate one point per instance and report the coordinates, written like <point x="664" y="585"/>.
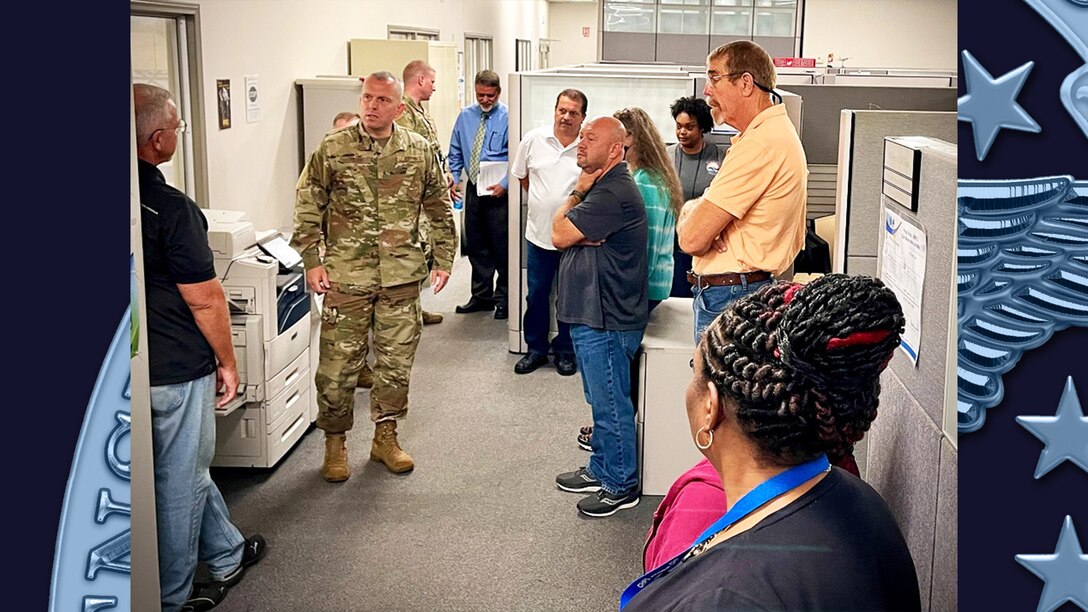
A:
<point x="726" y="279"/>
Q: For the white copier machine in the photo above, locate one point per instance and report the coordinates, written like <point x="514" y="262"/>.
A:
<point x="265" y="285"/>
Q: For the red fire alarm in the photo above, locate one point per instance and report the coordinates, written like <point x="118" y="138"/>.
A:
<point x="585" y="32"/>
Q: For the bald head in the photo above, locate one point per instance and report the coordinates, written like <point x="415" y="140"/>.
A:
<point x="610" y="128"/>
<point x="601" y="146"/>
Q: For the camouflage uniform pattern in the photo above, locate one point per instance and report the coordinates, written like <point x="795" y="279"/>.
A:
<point x="370" y="199"/>
<point x="416" y="119"/>
<point x="347" y="316"/>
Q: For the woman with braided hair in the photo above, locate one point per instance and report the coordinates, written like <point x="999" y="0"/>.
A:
<point x="784" y="378"/>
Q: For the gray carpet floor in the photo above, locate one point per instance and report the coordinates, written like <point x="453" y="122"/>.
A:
<point x="479" y="524"/>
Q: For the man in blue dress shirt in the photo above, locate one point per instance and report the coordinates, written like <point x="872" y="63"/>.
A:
<point x="480" y="135"/>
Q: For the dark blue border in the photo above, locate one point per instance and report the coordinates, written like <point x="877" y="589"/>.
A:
<point x="1003" y="510"/>
<point x="66" y="125"/>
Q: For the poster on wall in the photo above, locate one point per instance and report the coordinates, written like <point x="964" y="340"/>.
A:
<point x="253" y="99"/>
<point x="222" y="88"/>
<point x="904" y="270"/>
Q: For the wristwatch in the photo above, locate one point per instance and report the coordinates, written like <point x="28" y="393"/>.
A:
<point x="581" y="195"/>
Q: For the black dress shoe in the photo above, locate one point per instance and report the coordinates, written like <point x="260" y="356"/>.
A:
<point x="530" y="362"/>
<point x="475" y="305"/>
<point x="566" y="365"/>
<point x="500" y="312"/>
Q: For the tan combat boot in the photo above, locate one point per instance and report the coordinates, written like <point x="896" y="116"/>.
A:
<point x="386" y="450"/>
<point x="335" y="468"/>
<point x="366" y="377"/>
<point x="431" y="318"/>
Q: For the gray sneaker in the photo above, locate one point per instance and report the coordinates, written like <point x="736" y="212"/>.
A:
<point x="578" y="481"/>
<point x="602" y="503"/>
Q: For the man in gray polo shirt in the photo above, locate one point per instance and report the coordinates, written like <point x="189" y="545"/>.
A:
<point x="601" y="229"/>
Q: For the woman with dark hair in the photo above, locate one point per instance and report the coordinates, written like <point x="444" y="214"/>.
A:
<point x="785" y="377"/>
<point x="696" y="161"/>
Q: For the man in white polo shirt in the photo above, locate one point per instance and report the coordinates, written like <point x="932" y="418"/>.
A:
<point x="546" y="164"/>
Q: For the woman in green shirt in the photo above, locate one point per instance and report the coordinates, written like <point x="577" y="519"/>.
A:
<point x="661" y="194"/>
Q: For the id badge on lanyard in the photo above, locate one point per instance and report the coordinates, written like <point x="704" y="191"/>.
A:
<point x="765" y="492"/>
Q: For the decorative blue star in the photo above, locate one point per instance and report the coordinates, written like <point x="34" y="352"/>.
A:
<point x="1065" y="434"/>
<point x="990" y="104"/>
<point x="1065" y="572"/>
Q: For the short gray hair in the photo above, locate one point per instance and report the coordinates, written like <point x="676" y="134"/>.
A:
<point x="385" y="75"/>
<point x="152" y="110"/>
<point x="487" y="78"/>
<point x="416" y="68"/>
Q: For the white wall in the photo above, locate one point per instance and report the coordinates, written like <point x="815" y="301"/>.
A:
<point x="565" y="23"/>
<point x="253" y="167"/>
<point x="883" y="33"/>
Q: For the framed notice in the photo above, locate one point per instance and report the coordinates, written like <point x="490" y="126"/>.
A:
<point x="222" y="94"/>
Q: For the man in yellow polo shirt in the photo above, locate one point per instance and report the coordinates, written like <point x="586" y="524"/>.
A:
<point x="750" y="223"/>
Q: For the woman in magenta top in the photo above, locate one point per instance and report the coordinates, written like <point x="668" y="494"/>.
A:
<point x="692" y="504"/>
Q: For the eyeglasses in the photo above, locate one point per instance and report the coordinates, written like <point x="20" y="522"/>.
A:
<point x="714" y="78"/>
<point x="180" y="129"/>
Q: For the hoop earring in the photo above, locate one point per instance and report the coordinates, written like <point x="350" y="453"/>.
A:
<point x="709" y="441"/>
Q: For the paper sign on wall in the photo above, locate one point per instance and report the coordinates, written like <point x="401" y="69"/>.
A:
<point x="903" y="270"/>
<point x="253" y="99"/>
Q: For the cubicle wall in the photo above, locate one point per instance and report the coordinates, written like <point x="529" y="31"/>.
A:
<point x="532" y="104"/>
<point x="531" y="97"/>
<point x="859" y="171"/>
<point x="827" y="97"/>
<point x="823" y="103"/>
<point x="912" y="448"/>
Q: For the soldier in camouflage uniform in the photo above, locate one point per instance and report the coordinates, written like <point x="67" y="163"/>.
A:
<point x="370" y="185"/>
<point x="418" y="88"/>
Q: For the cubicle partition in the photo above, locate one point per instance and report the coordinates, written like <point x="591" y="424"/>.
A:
<point x="531" y="98"/>
<point x="912" y="447"/>
<point x="856" y="192"/>
<point x="830" y="94"/>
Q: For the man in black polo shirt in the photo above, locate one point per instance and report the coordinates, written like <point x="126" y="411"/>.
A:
<point x="601" y="229"/>
<point x="190" y="356"/>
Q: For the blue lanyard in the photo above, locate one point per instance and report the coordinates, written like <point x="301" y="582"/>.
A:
<point x="765" y="492"/>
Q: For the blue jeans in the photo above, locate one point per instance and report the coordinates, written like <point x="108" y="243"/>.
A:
<point x="604" y="361"/>
<point x="541" y="267"/>
<point x="710" y="302"/>
<point x="193" y="522"/>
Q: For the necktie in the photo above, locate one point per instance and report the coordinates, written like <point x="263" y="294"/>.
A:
<point x="477" y="144"/>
